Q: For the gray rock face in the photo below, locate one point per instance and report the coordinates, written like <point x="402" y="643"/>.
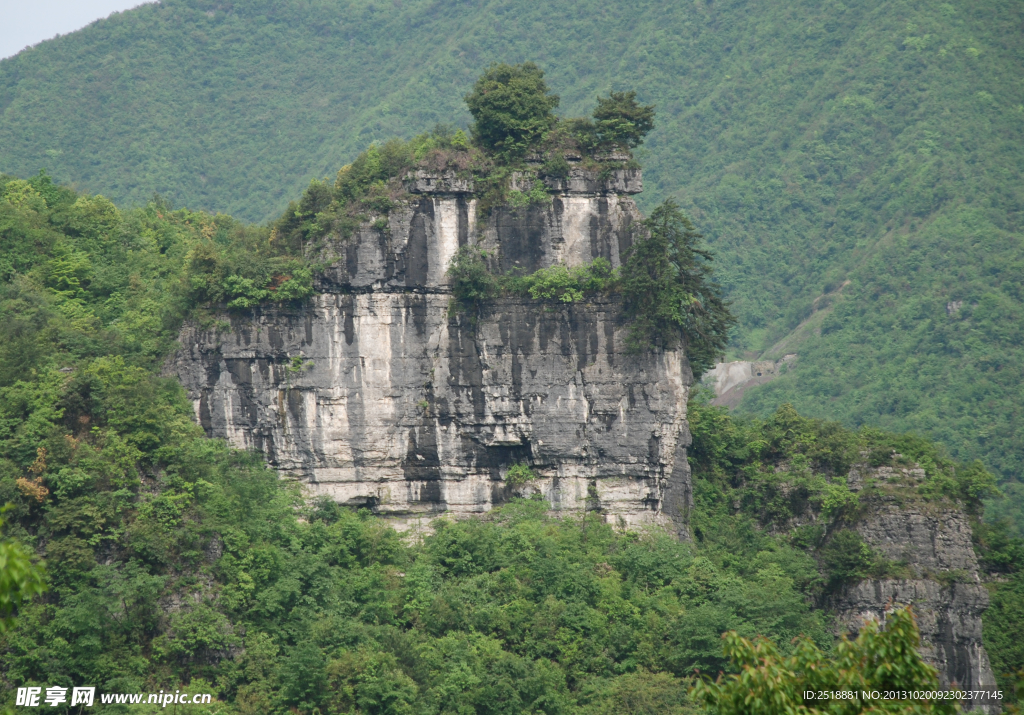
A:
<point x="374" y="395"/>
<point x="949" y="618"/>
<point x="934" y="542"/>
<point x="586" y="218"/>
<point x="929" y="543"/>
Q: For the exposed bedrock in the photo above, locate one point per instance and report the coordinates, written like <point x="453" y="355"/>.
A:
<point x="949" y="618"/>
<point x="934" y="542"/>
<point x="731" y="380"/>
<point x="375" y="395"/>
<point x="400" y="408"/>
<point x="590" y="219"/>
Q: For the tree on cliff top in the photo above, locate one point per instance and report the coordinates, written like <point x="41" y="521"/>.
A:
<point x="621" y="120"/>
<point x="511" y="107"/>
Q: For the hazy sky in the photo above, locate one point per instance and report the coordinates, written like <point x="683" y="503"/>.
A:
<point x="26" y="22"/>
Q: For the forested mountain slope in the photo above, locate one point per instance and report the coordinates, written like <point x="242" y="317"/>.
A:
<point x="814" y="143"/>
<point x="176" y="562"/>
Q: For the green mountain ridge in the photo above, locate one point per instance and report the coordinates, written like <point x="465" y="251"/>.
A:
<point x="813" y="143"/>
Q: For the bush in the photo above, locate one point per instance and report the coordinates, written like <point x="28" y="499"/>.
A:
<point x="837" y="501"/>
<point x="519" y="475"/>
<point x="566" y="285"/>
<point x="556" y="167"/>
<point x="847" y="559"/>
<point x="555" y="283"/>
<point x="537" y="195"/>
<point x="471" y="280"/>
<point x="21" y="578"/>
<point x="975" y="484"/>
<point x="881" y="659"/>
<point x="303" y="677"/>
<point x="297" y="286"/>
<point x="584" y="132"/>
<point x="997" y="547"/>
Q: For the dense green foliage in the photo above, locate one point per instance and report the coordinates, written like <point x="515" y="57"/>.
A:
<point x="670" y="297"/>
<point x="879" y="660"/>
<point x="874" y="141"/>
<point x="563" y="284"/>
<point x="779" y="472"/>
<point x="518" y="475"/>
<point x="471" y="279"/>
<point x="245" y="270"/>
<point x="511" y="108"/>
<point x="473" y="282"/>
<point x="1004" y="631"/>
<point x="129" y="276"/>
<point x="899" y="357"/>
<point x="21" y="578"/>
<point x="621" y="120"/>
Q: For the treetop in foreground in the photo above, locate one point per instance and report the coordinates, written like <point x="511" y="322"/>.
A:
<point x="879" y="672"/>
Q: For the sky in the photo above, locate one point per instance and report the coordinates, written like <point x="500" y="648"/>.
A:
<point x="27" y="22"/>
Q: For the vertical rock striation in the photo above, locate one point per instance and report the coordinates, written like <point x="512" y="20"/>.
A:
<point x="375" y="395"/>
<point x="933" y="541"/>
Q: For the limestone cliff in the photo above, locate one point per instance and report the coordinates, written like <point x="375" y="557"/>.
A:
<point x="375" y="395"/>
<point x="933" y="542"/>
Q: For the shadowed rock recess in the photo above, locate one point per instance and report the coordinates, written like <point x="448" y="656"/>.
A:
<point x="398" y="406"/>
